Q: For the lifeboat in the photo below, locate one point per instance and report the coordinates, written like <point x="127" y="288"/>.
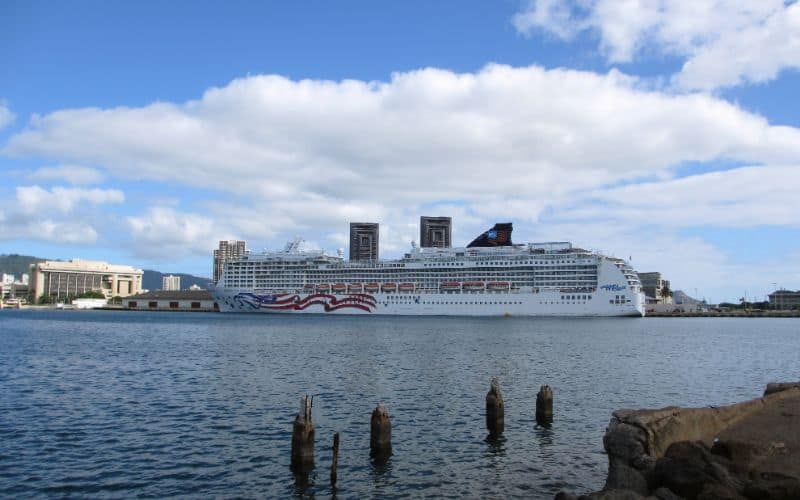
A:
<point x="497" y="285"/>
<point x="371" y="287"/>
<point x="450" y="286"/>
<point x="323" y="287"/>
<point x="339" y="287"/>
<point x="406" y="287"/>
<point x="389" y="287"/>
<point x="473" y="286"/>
<point x="354" y="287"/>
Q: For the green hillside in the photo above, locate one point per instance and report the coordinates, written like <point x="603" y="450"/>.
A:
<point x="17" y="264"/>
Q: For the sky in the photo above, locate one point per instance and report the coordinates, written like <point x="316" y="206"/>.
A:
<point x="666" y="132"/>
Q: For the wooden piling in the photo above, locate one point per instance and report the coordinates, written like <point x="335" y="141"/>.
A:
<point x="495" y="412"/>
<point x="544" y="406"/>
<point x="303" y="437"/>
<point x="335" y="462"/>
<point x="380" y="436"/>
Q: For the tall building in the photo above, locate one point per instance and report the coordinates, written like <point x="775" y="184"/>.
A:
<point x="784" y="299"/>
<point x="227" y="250"/>
<point x="435" y="232"/>
<point x="364" y="241"/>
<point x="60" y="280"/>
<point x="656" y="287"/>
<point x="170" y="283"/>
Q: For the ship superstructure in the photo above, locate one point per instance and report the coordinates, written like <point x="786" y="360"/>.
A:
<point x="491" y="276"/>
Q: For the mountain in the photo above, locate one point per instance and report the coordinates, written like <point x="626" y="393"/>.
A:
<point x="680" y="297"/>
<point x="152" y="280"/>
<point x="17" y="264"/>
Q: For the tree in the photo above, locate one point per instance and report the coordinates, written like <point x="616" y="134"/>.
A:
<point x="116" y="299"/>
<point x="91" y="294"/>
<point x="45" y="299"/>
<point x="666" y="293"/>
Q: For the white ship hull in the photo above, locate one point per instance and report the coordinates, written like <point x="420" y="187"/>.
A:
<point x="552" y="303"/>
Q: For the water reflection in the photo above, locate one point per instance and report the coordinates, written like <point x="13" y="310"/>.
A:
<point x="544" y="435"/>
<point x="304" y="479"/>
<point x="496" y="446"/>
<point x="379" y="461"/>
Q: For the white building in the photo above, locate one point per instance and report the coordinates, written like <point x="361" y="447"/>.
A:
<point x="170" y="283"/>
<point x="61" y="280"/>
<point x="7" y="279"/>
<point x="184" y="300"/>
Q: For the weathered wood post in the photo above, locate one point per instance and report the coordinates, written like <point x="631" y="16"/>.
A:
<point x="495" y="413"/>
<point x="380" y="435"/>
<point x="303" y="437"/>
<point x="335" y="462"/>
<point x="544" y="406"/>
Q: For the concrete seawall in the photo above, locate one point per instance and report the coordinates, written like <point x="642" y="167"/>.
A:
<point x="745" y="450"/>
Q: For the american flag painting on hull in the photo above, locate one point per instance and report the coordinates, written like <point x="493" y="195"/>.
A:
<point x="294" y="302"/>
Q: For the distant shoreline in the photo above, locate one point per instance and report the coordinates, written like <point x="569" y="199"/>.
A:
<point x="726" y="314"/>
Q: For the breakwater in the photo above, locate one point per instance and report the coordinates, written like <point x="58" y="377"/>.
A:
<point x="744" y="450"/>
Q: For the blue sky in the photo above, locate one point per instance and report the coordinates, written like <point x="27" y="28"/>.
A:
<point x="144" y="132"/>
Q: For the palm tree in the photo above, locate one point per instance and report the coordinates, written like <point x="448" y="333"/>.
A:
<point x="666" y="293"/>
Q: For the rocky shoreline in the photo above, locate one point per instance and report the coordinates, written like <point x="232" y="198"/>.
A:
<point x="748" y="450"/>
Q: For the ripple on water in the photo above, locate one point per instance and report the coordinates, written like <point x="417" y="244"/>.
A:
<point x="154" y="405"/>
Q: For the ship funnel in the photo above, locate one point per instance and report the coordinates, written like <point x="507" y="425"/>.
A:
<point x="497" y="236"/>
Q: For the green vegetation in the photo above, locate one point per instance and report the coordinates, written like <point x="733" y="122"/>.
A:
<point x="91" y="294"/>
<point x="46" y="299"/>
<point x="116" y="300"/>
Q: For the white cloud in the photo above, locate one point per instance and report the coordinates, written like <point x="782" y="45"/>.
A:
<point x="320" y="151"/>
<point x="74" y="174"/>
<point x="163" y="233"/>
<point x="6" y="116"/>
<point x="742" y="197"/>
<point x="724" y="42"/>
<point x="59" y="215"/>
<point x="34" y="199"/>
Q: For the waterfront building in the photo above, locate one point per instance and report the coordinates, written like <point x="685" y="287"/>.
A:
<point x="655" y="287"/>
<point x="170" y="283"/>
<point x="364" y="241"/>
<point x="227" y="250"/>
<point x="784" y="299"/>
<point x="60" y="280"/>
<point x="181" y="300"/>
<point x="6" y="279"/>
<point x="12" y="290"/>
<point x="435" y="232"/>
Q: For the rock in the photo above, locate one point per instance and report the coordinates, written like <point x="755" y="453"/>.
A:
<point x="716" y="491"/>
<point x="664" y="494"/>
<point x="624" y="441"/>
<point x="624" y="477"/>
<point x="563" y="495"/>
<point x="689" y="469"/>
<point x="774" y="387"/>
<point x="773" y="487"/>
<point x="616" y="494"/>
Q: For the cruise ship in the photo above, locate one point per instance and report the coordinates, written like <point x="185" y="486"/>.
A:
<point x="489" y="277"/>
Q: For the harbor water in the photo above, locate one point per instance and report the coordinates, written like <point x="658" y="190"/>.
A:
<point x="124" y="404"/>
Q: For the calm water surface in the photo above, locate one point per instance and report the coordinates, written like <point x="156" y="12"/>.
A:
<point x="123" y="404"/>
